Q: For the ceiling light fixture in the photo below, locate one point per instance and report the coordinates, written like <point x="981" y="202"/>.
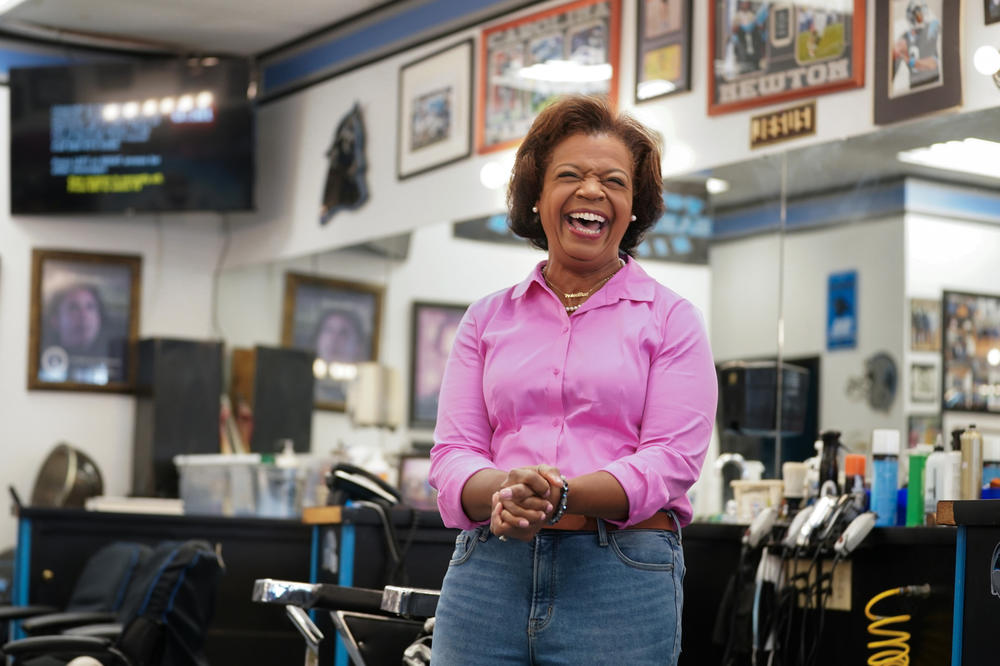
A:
<point x="716" y="185"/>
<point x="986" y="60"/>
<point x="970" y="155"/>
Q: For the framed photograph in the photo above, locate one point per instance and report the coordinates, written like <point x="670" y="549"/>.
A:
<point x="970" y="352"/>
<point x="761" y="53"/>
<point x="991" y="10"/>
<point x="339" y="322"/>
<point x="923" y="429"/>
<point x="84" y="320"/>
<point x="434" y="328"/>
<point x="923" y="382"/>
<point x="572" y="48"/>
<point x="917" y="58"/>
<point x="414" y="487"/>
<point x="925" y="324"/>
<point x="663" y="48"/>
<point x="435" y="110"/>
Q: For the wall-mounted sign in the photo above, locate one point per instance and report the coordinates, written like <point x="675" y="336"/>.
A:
<point x="841" y="311"/>
<point x="783" y="125"/>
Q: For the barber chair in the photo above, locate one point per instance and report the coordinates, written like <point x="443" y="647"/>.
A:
<point x="98" y="593"/>
<point x="376" y="626"/>
<point x="162" y="620"/>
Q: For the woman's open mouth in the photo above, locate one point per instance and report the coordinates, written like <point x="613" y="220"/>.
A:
<point x="585" y="223"/>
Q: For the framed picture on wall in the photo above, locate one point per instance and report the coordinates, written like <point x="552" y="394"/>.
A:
<point x="925" y="324"/>
<point x="761" y="53"/>
<point x="414" y="488"/>
<point x="917" y="58"/>
<point x="923" y="382"/>
<point x="339" y="322"/>
<point x="434" y="328"/>
<point x="923" y="429"/>
<point x="84" y="320"/>
<point x="435" y="110"/>
<point x="572" y="48"/>
<point x="663" y="48"/>
<point x="970" y="352"/>
<point x="991" y="10"/>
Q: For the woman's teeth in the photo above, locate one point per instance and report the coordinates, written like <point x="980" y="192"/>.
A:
<point x="588" y="223"/>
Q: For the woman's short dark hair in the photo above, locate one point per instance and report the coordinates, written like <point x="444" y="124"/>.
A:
<point x="590" y="116"/>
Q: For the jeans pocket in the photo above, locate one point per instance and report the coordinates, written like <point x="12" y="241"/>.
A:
<point x="465" y="543"/>
<point x="650" y="550"/>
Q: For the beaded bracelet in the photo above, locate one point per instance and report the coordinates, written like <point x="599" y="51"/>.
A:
<point x="563" y="501"/>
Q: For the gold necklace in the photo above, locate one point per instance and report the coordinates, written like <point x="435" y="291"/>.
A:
<point x="581" y="294"/>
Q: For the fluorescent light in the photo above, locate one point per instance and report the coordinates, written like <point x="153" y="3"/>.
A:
<point x="566" y="71"/>
<point x="971" y="155"/>
<point x="7" y="5"/>
<point x="986" y="60"/>
<point x="993" y="357"/>
<point x="716" y="185"/>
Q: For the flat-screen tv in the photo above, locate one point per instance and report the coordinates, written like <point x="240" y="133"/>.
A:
<point x="157" y="136"/>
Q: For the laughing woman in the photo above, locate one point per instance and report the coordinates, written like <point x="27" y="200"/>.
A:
<point x="575" y="413"/>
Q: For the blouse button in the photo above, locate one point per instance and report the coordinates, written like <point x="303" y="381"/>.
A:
<point x="555" y="371"/>
<point x="555" y="422"/>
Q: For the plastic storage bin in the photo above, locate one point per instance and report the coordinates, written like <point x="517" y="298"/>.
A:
<point x="217" y="484"/>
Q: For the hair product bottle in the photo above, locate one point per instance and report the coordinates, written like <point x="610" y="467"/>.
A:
<point x="972" y="463"/>
<point x="885" y="476"/>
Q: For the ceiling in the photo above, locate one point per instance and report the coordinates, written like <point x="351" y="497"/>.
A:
<point x="221" y="27"/>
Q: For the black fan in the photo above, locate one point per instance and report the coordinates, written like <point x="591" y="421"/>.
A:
<point x="66" y="478"/>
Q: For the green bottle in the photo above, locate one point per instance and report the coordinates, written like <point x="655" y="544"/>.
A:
<point x="915" y="489"/>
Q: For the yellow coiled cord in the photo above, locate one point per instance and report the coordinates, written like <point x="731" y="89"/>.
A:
<point x="895" y="650"/>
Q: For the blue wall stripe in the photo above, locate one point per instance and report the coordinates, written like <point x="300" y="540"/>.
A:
<point x="928" y="197"/>
<point x="10" y="58"/>
<point x="368" y="39"/>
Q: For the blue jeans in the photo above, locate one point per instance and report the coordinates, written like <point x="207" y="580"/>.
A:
<point x="562" y="598"/>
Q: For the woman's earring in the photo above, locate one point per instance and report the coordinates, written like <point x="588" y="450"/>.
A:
<point x="633" y="218"/>
<point x="534" y="209"/>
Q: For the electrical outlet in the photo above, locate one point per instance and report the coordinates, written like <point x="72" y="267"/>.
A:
<point x="840" y="590"/>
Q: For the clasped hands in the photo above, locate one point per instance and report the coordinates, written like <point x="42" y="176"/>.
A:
<point x="526" y="500"/>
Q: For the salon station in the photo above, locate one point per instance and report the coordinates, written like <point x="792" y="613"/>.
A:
<point x="237" y="240"/>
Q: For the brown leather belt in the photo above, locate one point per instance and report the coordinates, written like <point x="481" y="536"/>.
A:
<point x="579" y="523"/>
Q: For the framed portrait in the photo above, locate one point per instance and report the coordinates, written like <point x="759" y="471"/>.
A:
<point x="925" y="324"/>
<point x="434" y="328"/>
<point x="414" y="488"/>
<point x="339" y="322"/>
<point x="435" y="110"/>
<point x="917" y="58"/>
<point x="572" y="48"/>
<point x="663" y="48"/>
<point x="970" y="352"/>
<point x="923" y="429"/>
<point x="84" y="320"/>
<point x="991" y="10"/>
<point x="923" y="382"/>
<point x="762" y="52"/>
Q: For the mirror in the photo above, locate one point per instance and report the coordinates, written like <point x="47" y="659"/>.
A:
<point x="849" y="226"/>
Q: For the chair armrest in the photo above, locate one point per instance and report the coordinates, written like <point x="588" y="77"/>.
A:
<point x="22" y="612"/>
<point x="109" y="630"/>
<point x="56" y="622"/>
<point x="42" y="645"/>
